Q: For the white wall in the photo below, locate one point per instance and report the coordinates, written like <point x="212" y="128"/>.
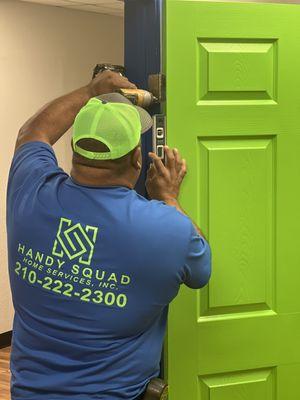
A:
<point x="44" y="52"/>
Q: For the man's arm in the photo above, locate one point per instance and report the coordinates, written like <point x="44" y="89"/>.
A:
<point x="175" y="203"/>
<point x="54" y="119"/>
<point x="163" y="181"/>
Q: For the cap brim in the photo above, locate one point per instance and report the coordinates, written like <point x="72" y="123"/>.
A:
<point x="145" y="117"/>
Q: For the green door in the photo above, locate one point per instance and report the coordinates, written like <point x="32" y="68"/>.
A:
<point x="233" y="109"/>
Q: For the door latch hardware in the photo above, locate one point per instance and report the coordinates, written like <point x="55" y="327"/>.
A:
<point x="159" y="135"/>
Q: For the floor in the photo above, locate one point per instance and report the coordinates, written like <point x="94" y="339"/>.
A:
<point x="4" y="374"/>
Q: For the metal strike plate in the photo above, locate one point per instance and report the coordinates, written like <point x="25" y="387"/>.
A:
<point x="157" y="86"/>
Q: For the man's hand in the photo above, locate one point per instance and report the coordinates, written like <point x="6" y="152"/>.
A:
<point x="108" y="82"/>
<point x="163" y="181"/>
<point x="55" y="118"/>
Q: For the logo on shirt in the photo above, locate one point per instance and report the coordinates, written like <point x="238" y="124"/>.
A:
<point x="75" y="240"/>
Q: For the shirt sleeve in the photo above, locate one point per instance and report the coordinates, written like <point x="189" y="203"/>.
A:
<point x="197" y="267"/>
<point x="31" y="160"/>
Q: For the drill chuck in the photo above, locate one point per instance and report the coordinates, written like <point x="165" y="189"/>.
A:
<point x="139" y="97"/>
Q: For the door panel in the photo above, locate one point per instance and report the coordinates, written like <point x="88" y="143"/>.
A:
<point x="257" y="384"/>
<point x="233" y="109"/>
<point x="240" y="172"/>
<point x="243" y="70"/>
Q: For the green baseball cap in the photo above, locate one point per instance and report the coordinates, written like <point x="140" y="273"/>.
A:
<point x="113" y="120"/>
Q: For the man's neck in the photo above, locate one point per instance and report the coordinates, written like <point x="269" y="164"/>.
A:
<point x="97" y="177"/>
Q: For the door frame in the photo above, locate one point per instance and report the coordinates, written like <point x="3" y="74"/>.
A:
<point x="142" y="57"/>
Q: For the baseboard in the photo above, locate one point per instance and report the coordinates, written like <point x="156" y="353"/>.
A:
<point x="5" y="339"/>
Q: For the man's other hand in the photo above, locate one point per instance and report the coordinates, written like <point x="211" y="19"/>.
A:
<point x="108" y="82"/>
<point x="163" y="181"/>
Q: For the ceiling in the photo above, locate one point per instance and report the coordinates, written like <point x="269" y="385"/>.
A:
<point x="111" y="7"/>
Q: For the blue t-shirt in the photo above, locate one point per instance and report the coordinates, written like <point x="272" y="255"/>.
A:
<point x="92" y="272"/>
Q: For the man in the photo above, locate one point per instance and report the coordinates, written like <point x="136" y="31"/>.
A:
<point x="93" y="265"/>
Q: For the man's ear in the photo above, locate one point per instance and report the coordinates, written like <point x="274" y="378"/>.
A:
<point x="136" y="158"/>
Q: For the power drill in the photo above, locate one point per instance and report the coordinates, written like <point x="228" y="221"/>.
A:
<point x="138" y="97"/>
